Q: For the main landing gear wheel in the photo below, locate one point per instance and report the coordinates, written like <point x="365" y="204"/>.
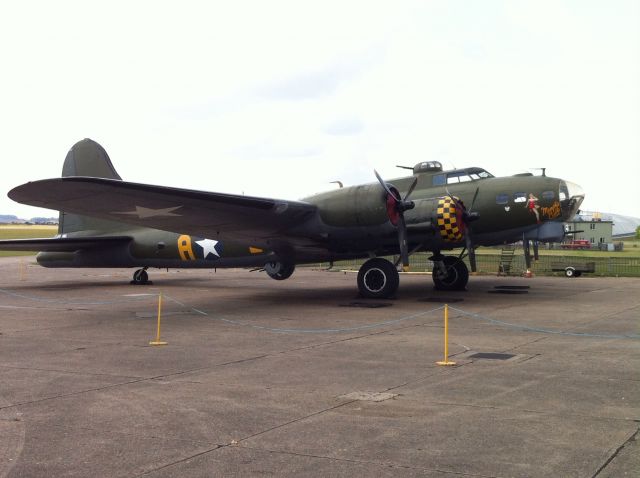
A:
<point x="140" y="277"/>
<point x="455" y="276"/>
<point x="279" y="270"/>
<point x="378" y="279"/>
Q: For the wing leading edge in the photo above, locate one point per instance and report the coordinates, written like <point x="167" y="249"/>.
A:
<point x="184" y="211"/>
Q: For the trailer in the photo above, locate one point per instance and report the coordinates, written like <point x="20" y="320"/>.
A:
<point x="573" y="269"/>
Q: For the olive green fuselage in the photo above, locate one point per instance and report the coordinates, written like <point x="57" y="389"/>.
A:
<point x="351" y="222"/>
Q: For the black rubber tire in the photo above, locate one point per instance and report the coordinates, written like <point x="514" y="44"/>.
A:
<point x="457" y="275"/>
<point x="279" y="270"/>
<point x="570" y="272"/>
<point x="378" y="279"/>
<point x="140" y="276"/>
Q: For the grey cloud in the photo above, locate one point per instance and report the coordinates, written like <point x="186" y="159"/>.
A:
<point x="322" y="82"/>
<point x="345" y="127"/>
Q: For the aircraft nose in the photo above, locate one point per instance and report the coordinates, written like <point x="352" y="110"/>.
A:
<point x="571" y="197"/>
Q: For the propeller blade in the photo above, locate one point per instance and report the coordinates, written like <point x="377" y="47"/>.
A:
<point x="527" y="253"/>
<point x="471" y="252"/>
<point x="473" y="201"/>
<point x="467" y="217"/>
<point x="411" y="188"/>
<point x="395" y="208"/>
<point x="402" y="239"/>
<point x="386" y="186"/>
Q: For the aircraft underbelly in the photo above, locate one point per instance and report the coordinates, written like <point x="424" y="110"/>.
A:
<point x="546" y="232"/>
<point x="121" y="258"/>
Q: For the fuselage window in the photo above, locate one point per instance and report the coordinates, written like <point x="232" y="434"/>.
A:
<point x="439" y="180"/>
<point x="519" y="197"/>
<point x="548" y="195"/>
<point x="502" y="199"/>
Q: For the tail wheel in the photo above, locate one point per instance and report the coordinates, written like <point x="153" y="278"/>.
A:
<point x="140" y="276"/>
<point x="454" y="277"/>
<point x="378" y="279"/>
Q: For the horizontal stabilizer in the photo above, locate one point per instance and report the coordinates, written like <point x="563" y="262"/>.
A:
<point x="62" y="244"/>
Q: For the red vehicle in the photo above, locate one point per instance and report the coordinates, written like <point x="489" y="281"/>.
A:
<point x="577" y="244"/>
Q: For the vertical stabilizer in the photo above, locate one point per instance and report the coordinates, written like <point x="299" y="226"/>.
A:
<point x="88" y="158"/>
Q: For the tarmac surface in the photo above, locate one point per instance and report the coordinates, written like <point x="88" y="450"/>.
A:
<point x="304" y="378"/>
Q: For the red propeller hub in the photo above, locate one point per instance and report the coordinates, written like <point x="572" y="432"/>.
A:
<point x="393" y="211"/>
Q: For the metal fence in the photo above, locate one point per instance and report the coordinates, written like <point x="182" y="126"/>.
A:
<point x="490" y="264"/>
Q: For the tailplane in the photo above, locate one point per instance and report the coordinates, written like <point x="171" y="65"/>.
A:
<point x="88" y="158"/>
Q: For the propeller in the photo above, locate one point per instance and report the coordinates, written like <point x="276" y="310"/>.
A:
<point x="467" y="218"/>
<point x="526" y="244"/>
<point x="396" y="206"/>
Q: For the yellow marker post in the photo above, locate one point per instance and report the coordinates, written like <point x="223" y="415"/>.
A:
<point x="23" y="270"/>
<point x="157" y="341"/>
<point x="446" y="360"/>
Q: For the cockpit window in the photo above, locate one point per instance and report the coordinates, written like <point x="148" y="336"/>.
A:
<point x="481" y="175"/>
<point x="519" y="197"/>
<point x="478" y="173"/>
<point x="466" y="175"/>
<point x="461" y="177"/>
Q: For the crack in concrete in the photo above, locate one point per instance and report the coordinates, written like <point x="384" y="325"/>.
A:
<point x="616" y="453"/>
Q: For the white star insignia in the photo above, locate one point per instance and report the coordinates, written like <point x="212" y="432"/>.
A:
<point x="208" y="247"/>
<point x="145" y="212"/>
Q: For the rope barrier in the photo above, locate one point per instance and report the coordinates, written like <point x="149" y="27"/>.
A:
<point x="543" y="331"/>
<point x="307" y="331"/>
<point x="72" y="302"/>
<point x="386" y="323"/>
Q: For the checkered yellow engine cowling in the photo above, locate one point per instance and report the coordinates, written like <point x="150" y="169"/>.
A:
<point x="449" y="219"/>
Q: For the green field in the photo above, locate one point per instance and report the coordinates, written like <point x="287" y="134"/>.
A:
<point x="625" y="263"/>
<point x="24" y="231"/>
<point x="622" y="263"/>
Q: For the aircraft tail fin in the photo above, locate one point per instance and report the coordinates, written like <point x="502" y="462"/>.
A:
<point x="88" y="158"/>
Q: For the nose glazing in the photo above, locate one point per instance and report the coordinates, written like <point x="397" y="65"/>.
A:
<point x="571" y="197"/>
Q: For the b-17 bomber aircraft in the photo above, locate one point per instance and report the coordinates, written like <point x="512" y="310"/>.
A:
<point x="108" y="222"/>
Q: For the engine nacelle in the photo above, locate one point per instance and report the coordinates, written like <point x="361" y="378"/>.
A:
<point x="366" y="206"/>
<point x="444" y="215"/>
<point x="354" y="206"/>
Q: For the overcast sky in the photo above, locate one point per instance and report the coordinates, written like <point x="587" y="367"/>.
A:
<point x="278" y="98"/>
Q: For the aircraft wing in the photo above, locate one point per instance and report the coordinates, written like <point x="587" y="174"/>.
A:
<point x="62" y="244"/>
<point x="182" y="211"/>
